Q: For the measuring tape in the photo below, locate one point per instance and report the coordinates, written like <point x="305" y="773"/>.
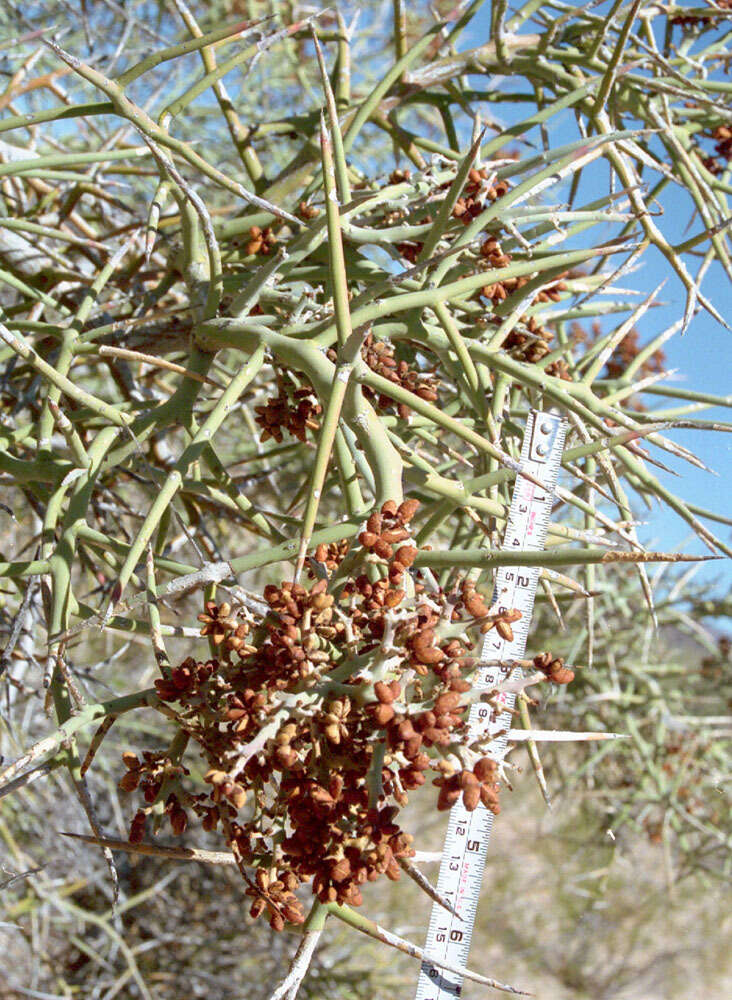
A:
<point x="466" y="843"/>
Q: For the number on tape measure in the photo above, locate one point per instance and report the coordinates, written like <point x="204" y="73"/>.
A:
<point x="466" y="842"/>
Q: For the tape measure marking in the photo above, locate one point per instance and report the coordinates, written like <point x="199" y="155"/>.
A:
<point x="468" y="833"/>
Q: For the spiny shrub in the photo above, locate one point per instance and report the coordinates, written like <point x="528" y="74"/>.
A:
<point x="275" y="342"/>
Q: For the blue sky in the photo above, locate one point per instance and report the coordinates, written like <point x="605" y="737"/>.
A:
<point x="702" y="356"/>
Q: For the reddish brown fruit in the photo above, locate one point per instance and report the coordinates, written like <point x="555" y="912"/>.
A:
<point x="178" y="822"/>
<point x="137" y="828"/>
<point x="406" y="555"/>
<point x="471" y="797"/>
<point x="407" y="510"/>
<point x="129" y="781"/>
<point x="383" y="714"/>
<point x="560" y="674"/>
<point x="489" y="798"/>
<point x="374" y="523"/>
<point x="475" y="605"/>
<point x="341" y="870"/>
<point x="394" y="598"/>
<point x="485" y="769"/>
<point x="394" y="535"/>
<point x="447" y="702"/>
<point x="447" y="798"/>
<point x="426" y="653"/>
<point x="383" y="549"/>
<point x="384" y="692"/>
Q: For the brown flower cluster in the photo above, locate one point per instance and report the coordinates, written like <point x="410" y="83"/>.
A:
<point x="495" y="258"/>
<point x="474" y="604"/>
<point x="152" y="775"/>
<point x="554" y="668"/>
<point x="718" y="163"/>
<point x="222" y="627"/>
<point x="379" y="356"/>
<point x="626" y="351"/>
<point x="531" y="341"/>
<point x="467" y="207"/>
<point x="471" y="203"/>
<point x="316" y="719"/>
<point x="478" y="785"/>
<point x="694" y="16"/>
<point x="261" y="241"/>
<point x="331" y="555"/>
<point x="307" y="212"/>
<point x="292" y="410"/>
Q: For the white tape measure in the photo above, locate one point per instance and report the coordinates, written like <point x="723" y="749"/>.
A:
<point x="466" y="843"/>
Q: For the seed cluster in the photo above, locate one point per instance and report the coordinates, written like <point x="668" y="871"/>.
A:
<point x="315" y="720"/>
<point x="471" y="203"/>
<point x="528" y="341"/>
<point x="554" y="668"/>
<point x="626" y="351"/>
<point x="717" y="164"/>
<point x="295" y="411"/>
<point x="292" y="410"/>
<point x="531" y="343"/>
<point x="379" y="356"/>
<point x="261" y="241"/>
<point x="467" y="207"/>
<point x="330" y="556"/>
<point x="693" y="17"/>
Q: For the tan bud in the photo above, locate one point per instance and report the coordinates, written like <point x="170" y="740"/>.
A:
<point x="322" y="601"/>
<point x="333" y="733"/>
<point x="237" y="796"/>
<point x="504" y="630"/>
<point x="215" y="777"/>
